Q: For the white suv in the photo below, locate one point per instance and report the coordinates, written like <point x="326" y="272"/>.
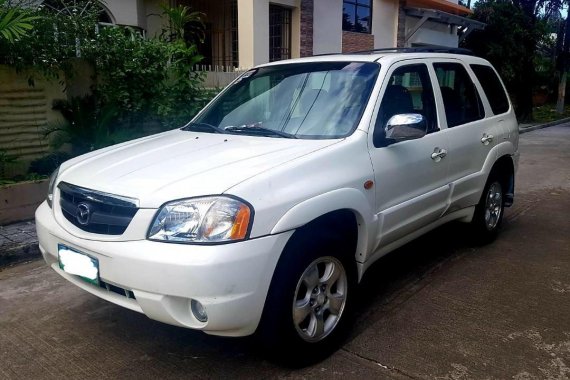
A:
<point x="264" y="212"/>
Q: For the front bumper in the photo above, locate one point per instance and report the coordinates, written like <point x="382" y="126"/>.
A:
<point x="230" y="280"/>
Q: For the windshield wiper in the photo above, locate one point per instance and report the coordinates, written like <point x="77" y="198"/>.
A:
<point x="202" y="127"/>
<point x="257" y="130"/>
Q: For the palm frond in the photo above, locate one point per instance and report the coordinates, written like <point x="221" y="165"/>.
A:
<point x="15" y="23"/>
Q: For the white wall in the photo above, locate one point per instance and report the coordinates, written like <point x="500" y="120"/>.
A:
<point x="153" y="20"/>
<point x="253" y="32"/>
<point x="125" y="12"/>
<point x="384" y="23"/>
<point x="432" y="33"/>
<point x="327" y="26"/>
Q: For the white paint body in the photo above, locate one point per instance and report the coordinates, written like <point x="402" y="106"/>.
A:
<point x="289" y="183"/>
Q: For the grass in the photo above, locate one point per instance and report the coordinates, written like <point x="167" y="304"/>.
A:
<point x="547" y="113"/>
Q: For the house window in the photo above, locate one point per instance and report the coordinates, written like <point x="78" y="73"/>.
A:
<point x="279" y="33"/>
<point x="220" y="44"/>
<point x="357" y="16"/>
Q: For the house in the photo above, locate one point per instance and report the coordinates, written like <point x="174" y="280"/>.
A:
<point x="244" y="33"/>
<point x="241" y="34"/>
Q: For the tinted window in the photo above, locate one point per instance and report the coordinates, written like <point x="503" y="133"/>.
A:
<point x="409" y="91"/>
<point x="356" y="15"/>
<point x="493" y="88"/>
<point x="460" y="98"/>
<point x="315" y="100"/>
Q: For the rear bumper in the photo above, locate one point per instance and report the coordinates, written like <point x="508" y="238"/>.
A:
<point x="231" y="280"/>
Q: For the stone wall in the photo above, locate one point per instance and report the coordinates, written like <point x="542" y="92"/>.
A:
<point x="307" y="11"/>
<point x="352" y="42"/>
<point x="401" y="36"/>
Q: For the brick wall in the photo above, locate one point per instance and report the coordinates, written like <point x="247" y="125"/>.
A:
<point x="307" y="8"/>
<point x="401" y="37"/>
<point x="352" y="42"/>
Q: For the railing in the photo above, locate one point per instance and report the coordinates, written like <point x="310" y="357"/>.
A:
<point x="219" y="76"/>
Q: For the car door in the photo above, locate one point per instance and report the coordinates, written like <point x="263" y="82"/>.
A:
<point x="411" y="175"/>
<point x="470" y="134"/>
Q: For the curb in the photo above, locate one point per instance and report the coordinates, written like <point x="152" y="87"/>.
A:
<point x="18" y="254"/>
<point x="545" y="125"/>
<point x="18" y="243"/>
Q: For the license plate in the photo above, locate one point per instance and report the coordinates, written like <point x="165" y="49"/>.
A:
<point x="79" y="264"/>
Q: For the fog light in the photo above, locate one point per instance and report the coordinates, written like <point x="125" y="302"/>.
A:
<point x="198" y="311"/>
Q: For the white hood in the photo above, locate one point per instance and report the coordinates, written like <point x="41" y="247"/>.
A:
<point x="180" y="164"/>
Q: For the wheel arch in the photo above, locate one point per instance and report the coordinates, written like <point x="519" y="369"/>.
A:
<point x="504" y="168"/>
<point x="347" y="204"/>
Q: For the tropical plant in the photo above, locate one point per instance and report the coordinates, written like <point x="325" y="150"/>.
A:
<point x="184" y="24"/>
<point x="87" y="125"/>
<point x="15" y="22"/>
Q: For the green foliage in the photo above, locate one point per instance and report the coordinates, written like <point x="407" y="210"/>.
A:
<point x="517" y="32"/>
<point x="145" y="79"/>
<point x="59" y="32"/>
<point x="14" y="22"/>
<point x="88" y="126"/>
<point x="45" y="165"/>
<point x="185" y="25"/>
<point x="5" y="160"/>
<point x="500" y="41"/>
<point x="137" y="81"/>
<point x="547" y="113"/>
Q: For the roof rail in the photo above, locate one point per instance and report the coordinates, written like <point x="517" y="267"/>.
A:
<point x="423" y="49"/>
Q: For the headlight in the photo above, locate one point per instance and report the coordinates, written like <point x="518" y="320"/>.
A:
<point x="51" y="186"/>
<point x="202" y="220"/>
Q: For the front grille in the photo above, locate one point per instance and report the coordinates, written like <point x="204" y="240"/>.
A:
<point x="94" y="211"/>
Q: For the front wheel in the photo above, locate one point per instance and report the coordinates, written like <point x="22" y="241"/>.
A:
<point x="308" y="306"/>
<point x="320" y="299"/>
<point x="489" y="212"/>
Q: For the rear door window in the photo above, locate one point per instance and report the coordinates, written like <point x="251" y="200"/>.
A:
<point x="460" y="98"/>
<point x="493" y="88"/>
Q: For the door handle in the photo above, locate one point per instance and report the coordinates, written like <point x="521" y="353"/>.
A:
<point x="486" y="139"/>
<point x="438" y="154"/>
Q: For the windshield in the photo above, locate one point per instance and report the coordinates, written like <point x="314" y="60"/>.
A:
<point x="306" y="100"/>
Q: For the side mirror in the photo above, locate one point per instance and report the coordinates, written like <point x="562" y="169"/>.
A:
<point x="405" y="126"/>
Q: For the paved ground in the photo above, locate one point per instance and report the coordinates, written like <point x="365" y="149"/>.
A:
<point x="18" y="242"/>
<point x="438" y="308"/>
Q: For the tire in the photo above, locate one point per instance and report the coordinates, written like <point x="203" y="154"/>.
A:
<point x="489" y="211"/>
<point x="308" y="307"/>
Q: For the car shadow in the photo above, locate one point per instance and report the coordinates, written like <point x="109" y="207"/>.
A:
<point x="388" y="283"/>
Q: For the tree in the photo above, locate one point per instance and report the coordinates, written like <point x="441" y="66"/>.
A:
<point x="515" y="29"/>
<point x="563" y="49"/>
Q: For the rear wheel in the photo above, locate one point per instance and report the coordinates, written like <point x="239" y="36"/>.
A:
<point x="489" y="212"/>
<point x="309" y="301"/>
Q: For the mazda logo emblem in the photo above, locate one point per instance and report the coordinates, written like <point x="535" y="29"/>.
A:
<point x="83" y="214"/>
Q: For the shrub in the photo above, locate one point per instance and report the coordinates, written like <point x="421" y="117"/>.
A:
<point x="45" y="165"/>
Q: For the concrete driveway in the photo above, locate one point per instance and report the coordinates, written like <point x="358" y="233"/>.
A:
<point x="437" y="308"/>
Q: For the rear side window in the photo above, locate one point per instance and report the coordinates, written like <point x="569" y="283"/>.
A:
<point x="460" y="98"/>
<point x="493" y="88"/>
